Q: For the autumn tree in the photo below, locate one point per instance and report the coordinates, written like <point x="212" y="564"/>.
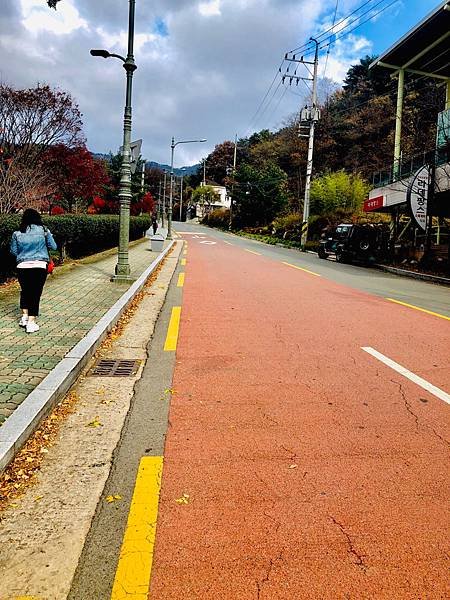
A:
<point x="31" y="121"/>
<point x="76" y="175"/>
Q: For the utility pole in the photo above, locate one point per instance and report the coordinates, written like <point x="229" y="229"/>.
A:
<point x="164" y="200"/>
<point x="232" y="185"/>
<point x="143" y="176"/>
<point x="204" y="171"/>
<point x="309" y="115"/>
<point x="181" y="198"/>
<point x="158" y="210"/>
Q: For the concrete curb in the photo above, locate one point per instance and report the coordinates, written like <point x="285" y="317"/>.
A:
<point x="38" y="404"/>
<point x="414" y="275"/>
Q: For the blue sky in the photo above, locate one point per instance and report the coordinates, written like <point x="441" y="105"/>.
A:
<point x="203" y="65"/>
<point x="394" y="23"/>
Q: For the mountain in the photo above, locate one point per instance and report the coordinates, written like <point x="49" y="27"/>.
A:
<point x="191" y="170"/>
<point x="177" y="171"/>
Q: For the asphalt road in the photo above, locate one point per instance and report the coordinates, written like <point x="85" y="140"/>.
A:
<point x="429" y="296"/>
<point x="307" y="440"/>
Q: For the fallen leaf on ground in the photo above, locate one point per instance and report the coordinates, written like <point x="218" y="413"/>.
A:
<point x="38" y="498"/>
<point x="293" y="466"/>
<point x="107" y="401"/>
<point x="113" y="498"/>
<point x="183" y="500"/>
<point x="95" y="423"/>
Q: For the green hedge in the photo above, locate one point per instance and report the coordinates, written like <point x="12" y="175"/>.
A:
<point x="76" y="235"/>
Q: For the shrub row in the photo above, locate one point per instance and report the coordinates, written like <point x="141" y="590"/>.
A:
<point x="76" y="235"/>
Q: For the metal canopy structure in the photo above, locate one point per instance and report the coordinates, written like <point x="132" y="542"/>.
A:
<point x="425" y="49"/>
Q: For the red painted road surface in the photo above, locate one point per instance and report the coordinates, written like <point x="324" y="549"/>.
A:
<point x="313" y="470"/>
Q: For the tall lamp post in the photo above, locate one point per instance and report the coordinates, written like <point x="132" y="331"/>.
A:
<point x="169" y="216"/>
<point x="122" y="270"/>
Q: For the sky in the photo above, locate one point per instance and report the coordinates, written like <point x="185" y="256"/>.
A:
<point x="204" y="66"/>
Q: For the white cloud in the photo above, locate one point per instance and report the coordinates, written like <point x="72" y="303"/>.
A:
<point x="343" y="53"/>
<point x="37" y="17"/>
<point x="119" y="41"/>
<point x="209" y="9"/>
<point x="196" y="81"/>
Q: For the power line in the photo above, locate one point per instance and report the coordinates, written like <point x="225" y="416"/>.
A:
<point x="359" y="24"/>
<point x="252" y="120"/>
<point x="320" y="35"/>
<point x="332" y="27"/>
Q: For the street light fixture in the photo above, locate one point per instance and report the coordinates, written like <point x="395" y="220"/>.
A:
<point x="122" y="270"/>
<point x="169" y="216"/>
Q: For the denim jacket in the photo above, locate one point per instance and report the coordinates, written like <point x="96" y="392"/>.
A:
<point x="33" y="244"/>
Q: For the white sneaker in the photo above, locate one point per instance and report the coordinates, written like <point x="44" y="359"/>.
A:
<point x="32" y="327"/>
<point x="23" y="321"/>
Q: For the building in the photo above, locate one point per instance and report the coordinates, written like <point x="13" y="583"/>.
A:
<point x="415" y="190"/>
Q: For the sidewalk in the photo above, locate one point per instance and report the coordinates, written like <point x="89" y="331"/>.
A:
<point x="72" y="304"/>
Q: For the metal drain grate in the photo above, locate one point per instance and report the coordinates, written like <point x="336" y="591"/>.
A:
<point x="115" y="368"/>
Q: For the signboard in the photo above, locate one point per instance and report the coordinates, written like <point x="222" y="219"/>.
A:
<point x="374" y="203"/>
<point x="135" y="149"/>
<point x="417" y="196"/>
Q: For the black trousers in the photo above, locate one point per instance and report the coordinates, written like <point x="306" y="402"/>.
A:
<point x="31" y="285"/>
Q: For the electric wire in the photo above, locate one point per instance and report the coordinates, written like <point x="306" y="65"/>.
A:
<point x="343" y="20"/>
<point x="252" y="120"/>
<point x="329" y="48"/>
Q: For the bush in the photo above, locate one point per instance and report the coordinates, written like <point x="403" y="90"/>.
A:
<point x="219" y="217"/>
<point x="78" y="235"/>
<point x="288" y="227"/>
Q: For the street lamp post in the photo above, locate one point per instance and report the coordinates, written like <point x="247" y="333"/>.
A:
<point x="122" y="270"/>
<point x="163" y="212"/>
<point x="169" y="216"/>
<point x="181" y="198"/>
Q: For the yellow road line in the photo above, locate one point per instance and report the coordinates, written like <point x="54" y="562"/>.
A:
<point x="252" y="251"/>
<point x="302" y="269"/>
<point x="172" y="330"/>
<point x="183" y="262"/>
<point x="180" y="280"/>
<point x="429" y="312"/>
<point x="133" y="573"/>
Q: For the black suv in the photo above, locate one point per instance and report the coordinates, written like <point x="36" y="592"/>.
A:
<point x="363" y="243"/>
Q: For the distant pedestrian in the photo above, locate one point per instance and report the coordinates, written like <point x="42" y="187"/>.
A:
<point x="154" y="224"/>
<point x="30" y="246"/>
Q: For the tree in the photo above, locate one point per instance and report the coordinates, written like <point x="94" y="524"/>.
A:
<point x="205" y="196"/>
<point x="260" y="194"/>
<point x="76" y="175"/>
<point x="31" y="121"/>
<point x="53" y="3"/>
<point x="338" y="190"/>
<point x="219" y="162"/>
<point x="113" y="164"/>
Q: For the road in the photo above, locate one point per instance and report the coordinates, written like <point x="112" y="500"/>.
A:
<point x="305" y="454"/>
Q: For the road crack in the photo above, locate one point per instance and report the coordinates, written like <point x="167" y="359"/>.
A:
<point x="407" y="403"/>
<point x="261" y="582"/>
<point x="292" y="454"/>
<point x="359" y="562"/>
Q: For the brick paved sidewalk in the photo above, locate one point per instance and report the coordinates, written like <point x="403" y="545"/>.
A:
<point x="71" y="305"/>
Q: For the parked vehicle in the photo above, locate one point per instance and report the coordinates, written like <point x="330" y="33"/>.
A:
<point x="366" y="243"/>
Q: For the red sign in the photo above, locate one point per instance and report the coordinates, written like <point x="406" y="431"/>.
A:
<point x="373" y="203"/>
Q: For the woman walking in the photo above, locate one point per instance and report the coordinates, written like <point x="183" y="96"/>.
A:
<point x="30" y="246"/>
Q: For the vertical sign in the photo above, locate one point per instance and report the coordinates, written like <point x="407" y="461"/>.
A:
<point x="417" y="196"/>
